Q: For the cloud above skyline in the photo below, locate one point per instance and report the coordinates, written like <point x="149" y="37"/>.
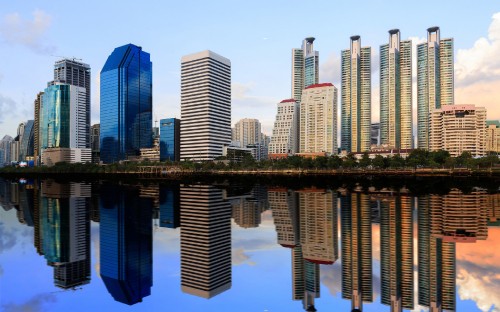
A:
<point x="29" y="33"/>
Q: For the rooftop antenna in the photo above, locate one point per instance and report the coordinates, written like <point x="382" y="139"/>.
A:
<point x="66" y="57"/>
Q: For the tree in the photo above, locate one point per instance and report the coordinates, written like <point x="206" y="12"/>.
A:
<point x="378" y="162"/>
<point x="365" y="160"/>
<point x="396" y="161"/>
<point x="418" y="158"/>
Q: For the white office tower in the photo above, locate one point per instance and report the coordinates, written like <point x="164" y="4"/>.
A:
<point x="396" y="93"/>
<point x="205" y="105"/>
<point x="458" y="129"/>
<point x="435" y="84"/>
<point x="318" y="119"/>
<point x="284" y="140"/>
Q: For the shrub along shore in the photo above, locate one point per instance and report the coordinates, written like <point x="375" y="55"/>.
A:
<point x="418" y="163"/>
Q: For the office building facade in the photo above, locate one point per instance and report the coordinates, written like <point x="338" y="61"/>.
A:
<point x="458" y="129"/>
<point x="356" y="97"/>
<point x="205" y="105"/>
<point x="435" y="82"/>
<point x="247" y="131"/>
<point x="318" y="119"/>
<point x="396" y="92"/>
<point x="126" y="104"/>
<point x="170" y="139"/>
<point x="285" y="138"/>
<point x="36" y="127"/>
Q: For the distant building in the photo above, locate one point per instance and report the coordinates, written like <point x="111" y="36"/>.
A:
<point x="95" y="141"/>
<point x="170" y="139"/>
<point x="51" y="156"/>
<point x="458" y="129"/>
<point x="5" y="146"/>
<point x="126" y="104"/>
<point x="318" y="119"/>
<point x="375" y="134"/>
<point x="285" y="138"/>
<point x="247" y="131"/>
<point x="26" y="144"/>
<point x="205" y="105"/>
<point x="36" y="127"/>
<point x="493" y="136"/>
<point x="396" y="92"/>
<point x="356" y="97"/>
<point x="435" y="83"/>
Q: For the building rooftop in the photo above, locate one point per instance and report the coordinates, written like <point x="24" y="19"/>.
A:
<point x="288" y="101"/>
<point x="320" y="85"/>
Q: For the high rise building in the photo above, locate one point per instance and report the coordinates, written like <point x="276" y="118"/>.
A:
<point x="356" y="236"/>
<point x="458" y="129"/>
<point x="284" y="206"/>
<point x="36" y="127"/>
<point x="126" y="243"/>
<point x="126" y="103"/>
<point x="170" y="139"/>
<point x="5" y="145"/>
<point x="396" y="252"/>
<point x="356" y="97"/>
<point x="493" y="136"/>
<point x="247" y="131"/>
<point x="205" y="241"/>
<point x="285" y="138"/>
<point x="396" y="92"/>
<point x="72" y="72"/>
<point x="95" y="141"/>
<point x="318" y="119"/>
<point x="63" y="119"/>
<point x="26" y="144"/>
<point x="435" y="83"/>
<point x="375" y="134"/>
<point x="305" y="67"/>
<point x="205" y="105"/>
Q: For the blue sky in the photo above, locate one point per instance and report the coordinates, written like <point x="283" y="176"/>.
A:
<point x="257" y="36"/>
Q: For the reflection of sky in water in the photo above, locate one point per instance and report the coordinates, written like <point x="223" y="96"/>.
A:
<point x="261" y="275"/>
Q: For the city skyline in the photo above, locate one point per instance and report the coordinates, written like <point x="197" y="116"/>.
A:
<point x="33" y="34"/>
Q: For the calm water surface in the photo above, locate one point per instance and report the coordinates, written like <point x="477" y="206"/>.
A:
<point x="232" y="246"/>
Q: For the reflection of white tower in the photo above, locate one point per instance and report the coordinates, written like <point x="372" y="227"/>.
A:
<point x="205" y="241"/>
<point x="318" y="225"/>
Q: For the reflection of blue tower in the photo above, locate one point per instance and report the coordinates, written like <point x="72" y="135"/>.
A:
<point x="126" y="243"/>
<point x="169" y="207"/>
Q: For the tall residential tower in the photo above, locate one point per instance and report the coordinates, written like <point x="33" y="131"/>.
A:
<point x="356" y="97"/>
<point x="205" y="105"/>
<point x="396" y="92"/>
<point x="435" y="83"/>
<point x="305" y="67"/>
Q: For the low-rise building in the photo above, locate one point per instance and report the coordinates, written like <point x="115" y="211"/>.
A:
<point x="51" y="156"/>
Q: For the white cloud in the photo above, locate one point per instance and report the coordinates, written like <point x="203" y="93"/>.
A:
<point x="36" y="303"/>
<point x="481" y="62"/>
<point x="7" y="108"/>
<point x="482" y="289"/>
<point x="27" y="32"/>
<point x="239" y="256"/>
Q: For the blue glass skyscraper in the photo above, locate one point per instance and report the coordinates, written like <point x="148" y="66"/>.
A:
<point x="126" y="103"/>
<point x="126" y="242"/>
<point x="170" y="139"/>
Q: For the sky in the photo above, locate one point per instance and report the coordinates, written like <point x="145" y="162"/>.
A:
<point x="257" y="36"/>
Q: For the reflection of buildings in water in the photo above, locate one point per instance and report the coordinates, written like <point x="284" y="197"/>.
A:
<point x="356" y="249"/>
<point x="65" y="231"/>
<point x="493" y="209"/>
<point x="306" y="222"/>
<point x="205" y="241"/>
<point x="169" y="207"/>
<point x="460" y="217"/>
<point x="126" y="243"/>
<point x="396" y="251"/>
<point x="436" y="259"/>
<point x="247" y="209"/>
<point x="152" y="192"/>
<point x="318" y="225"/>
